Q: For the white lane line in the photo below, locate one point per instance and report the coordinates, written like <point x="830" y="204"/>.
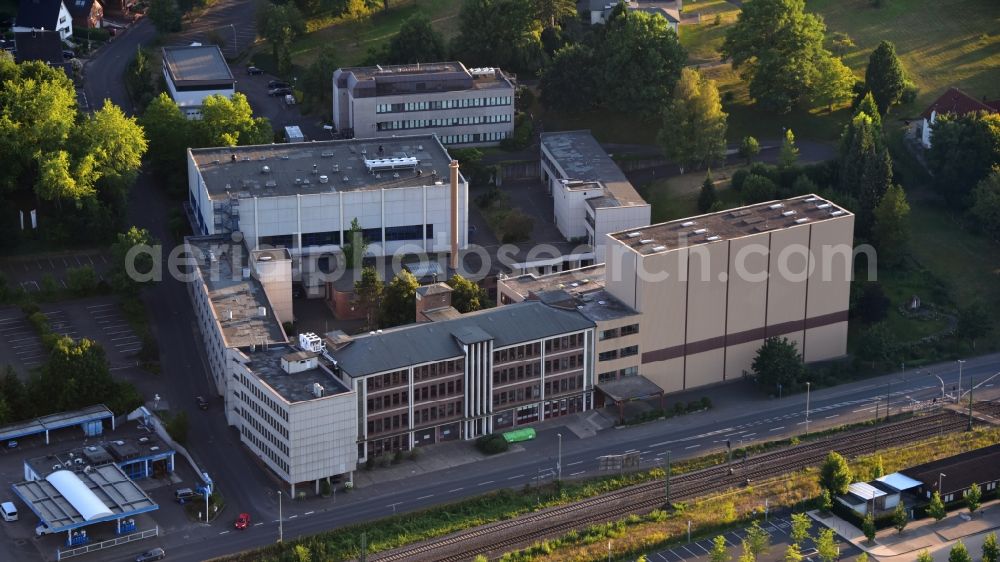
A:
<point x="516" y="476"/>
<point x="578" y="473"/>
<point x="425" y="497"/>
<point x="258" y="524"/>
<point x="749" y="435"/>
<point x="692" y="447"/>
<point x="224" y="533"/>
<point x="689" y="551"/>
<point x="736" y="433"/>
<point x="645" y="452"/>
<point x="309" y="513"/>
<point x="801" y="423"/>
<point x="485" y="483"/>
<point x="831" y="417"/>
<point x="292" y="516"/>
<point x="661" y="444"/>
<point x="779" y="428"/>
<point x="573" y="463"/>
<point x="662" y="557"/>
<point x="455" y="490"/>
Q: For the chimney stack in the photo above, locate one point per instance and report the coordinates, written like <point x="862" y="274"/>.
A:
<point x="453" y="259"/>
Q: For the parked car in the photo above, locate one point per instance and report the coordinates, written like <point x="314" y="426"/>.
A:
<point x="202" y="403"/>
<point x="254" y="70"/>
<point x="277" y="84"/>
<point x="283" y="91"/>
<point x="243" y="521"/>
<point x="68" y="55"/>
<point x="154" y="554"/>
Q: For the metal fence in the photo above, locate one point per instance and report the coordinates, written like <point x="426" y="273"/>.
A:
<point x="71" y="552"/>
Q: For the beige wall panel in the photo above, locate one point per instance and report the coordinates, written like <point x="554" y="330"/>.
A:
<point x="826" y="342"/>
<point x="668" y="375"/>
<point x="739" y="358"/>
<point x="829" y="284"/>
<point x="704" y="368"/>
<point x="747" y="295"/>
<point x="620" y="276"/>
<point x="786" y="300"/>
<point x="662" y="296"/>
<point x="707" y="291"/>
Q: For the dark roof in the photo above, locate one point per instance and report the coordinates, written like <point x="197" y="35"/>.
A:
<point x="45" y="46"/>
<point x="979" y="466"/>
<point x="630" y="388"/>
<point x="958" y="102"/>
<point x="38" y="14"/>
<point x="437" y="341"/>
<point x="80" y="8"/>
<point x="197" y="65"/>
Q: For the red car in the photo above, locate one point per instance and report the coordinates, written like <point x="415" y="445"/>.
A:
<point x="243" y="521"/>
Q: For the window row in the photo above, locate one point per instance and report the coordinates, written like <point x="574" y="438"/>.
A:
<point x="616" y="353"/>
<point x="432" y="370"/>
<point x="279" y="411"/>
<point x="434" y="413"/>
<point x="564" y="364"/>
<point x="264" y="448"/>
<point x="563" y="343"/>
<point x="447" y="122"/>
<point x="254" y="423"/>
<point x="265" y="414"/>
<point x="516" y="395"/>
<point x="389" y="423"/>
<point x="517" y="353"/>
<point x="614" y="375"/>
<point x="443" y="104"/>
<point x="388" y="445"/>
<point x="387" y="380"/>
<point x="629" y="330"/>
<point x="566" y="384"/>
<point x="519" y="373"/>
<point x="495" y="136"/>
<point x="387" y="401"/>
<point x="434" y="391"/>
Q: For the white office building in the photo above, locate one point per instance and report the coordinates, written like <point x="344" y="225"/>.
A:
<point x="591" y="196"/>
<point x="466" y="107"/>
<point x="195" y="72"/>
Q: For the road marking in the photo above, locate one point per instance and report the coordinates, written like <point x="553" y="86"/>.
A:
<point x="779" y="428"/>
<point x="749" y="435"/>
<point x="689" y="551"/>
<point x="224" y="532"/>
<point x="645" y="452"/>
<point x="801" y="422"/>
<point x="258" y="524"/>
<point x="737" y="433"/>
<point x="573" y="463"/>
<point x="578" y="473"/>
<point x="692" y="447"/>
<point x="661" y="444"/>
<point x="425" y="497"/>
<point x="485" y="483"/>
<point x="292" y="516"/>
<point x="455" y="490"/>
<point x="698" y="544"/>
<point x="516" y="476"/>
<point x="662" y="557"/>
<point x="309" y="513"/>
<point x="831" y="417"/>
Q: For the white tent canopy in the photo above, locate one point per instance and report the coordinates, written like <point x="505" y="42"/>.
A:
<point x="899" y="481"/>
<point x="78" y="495"/>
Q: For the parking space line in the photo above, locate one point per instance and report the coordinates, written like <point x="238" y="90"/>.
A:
<point x="125" y="338"/>
<point x="689" y="551"/>
<point x="698" y="544"/>
<point x="106" y="305"/>
<point x="679" y="557"/>
<point x="662" y="557"/>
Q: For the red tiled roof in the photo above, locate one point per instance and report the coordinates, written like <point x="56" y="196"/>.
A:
<point x="958" y="102"/>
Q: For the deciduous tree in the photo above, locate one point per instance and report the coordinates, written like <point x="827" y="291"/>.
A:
<point x="964" y="150"/>
<point x="568" y="82"/>
<point x="974" y="322"/>
<point x="165" y="15"/>
<point x="986" y="204"/>
<point x="936" y="507"/>
<point x="835" y="474"/>
<point x="466" y="295"/>
<point x="900" y="518"/>
<point x="876" y="344"/>
<point x="865" y="168"/>
<point x="368" y="292"/>
<point x="789" y="153"/>
<point x="801" y="523"/>
<point x="959" y="553"/>
<point x="707" y="197"/>
<point x="749" y="147"/>
<point x="868" y="527"/>
<point x="550" y="11"/>
<point x="884" y="76"/>
<point x="793" y="553"/>
<point x="399" y="300"/>
<point x="826" y="546"/>
<point x="417" y="41"/>
<point x="279" y="25"/>
<point x="833" y="83"/>
<point x="924" y="556"/>
<point x="694" y="125"/>
<point x="776" y="46"/>
<point x="230" y="122"/>
<point x="777" y="362"/>
<point x="756" y="539"/>
<point x="892" y="230"/>
<point x="991" y="552"/>
<point x="642" y="60"/>
<point x="502" y="33"/>
<point x="131" y="259"/>
<point x="973" y="498"/>
<point x="720" y="553"/>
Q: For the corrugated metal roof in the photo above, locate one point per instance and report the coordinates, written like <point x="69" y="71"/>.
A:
<point x="865" y="491"/>
<point x="899" y="481"/>
<point x="436" y="341"/>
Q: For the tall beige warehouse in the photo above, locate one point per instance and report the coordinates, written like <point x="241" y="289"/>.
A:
<point x="711" y="288"/>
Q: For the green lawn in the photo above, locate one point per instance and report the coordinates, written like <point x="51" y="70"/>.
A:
<point x="352" y="38"/>
<point x="677" y="197"/>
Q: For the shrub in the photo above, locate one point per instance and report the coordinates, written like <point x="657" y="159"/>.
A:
<point x="414" y="454"/>
<point x="492" y="444"/>
<point x="82" y="33"/>
<point x="82" y="281"/>
<point x="706" y="402"/>
<point x="370" y="463"/>
<point x="679" y="408"/>
<point x="398" y="457"/>
<point x="739" y="176"/>
<point x="693" y="406"/>
<point x="521" y="137"/>
<point x="517" y="227"/>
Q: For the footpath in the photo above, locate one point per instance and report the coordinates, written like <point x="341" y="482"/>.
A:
<point x="937" y="537"/>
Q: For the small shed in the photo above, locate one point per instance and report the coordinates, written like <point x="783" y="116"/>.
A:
<point x="625" y="390"/>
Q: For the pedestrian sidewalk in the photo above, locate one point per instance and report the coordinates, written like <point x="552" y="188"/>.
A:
<point x="937" y="537"/>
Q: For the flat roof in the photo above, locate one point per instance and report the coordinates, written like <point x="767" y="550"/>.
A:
<point x="55" y="421"/>
<point x="978" y="465"/>
<point x="865" y="491"/>
<point x="231" y="293"/>
<point x="630" y="388"/>
<point x="427" y="342"/>
<point x="122" y="449"/>
<point x="899" y="481"/>
<point x="300" y="168"/>
<point x="581" y="288"/>
<point x="196" y="65"/>
<point x="729" y="224"/>
<point x="393" y="79"/>
<point x="296" y="387"/>
<point x="104" y="494"/>
<point x="582" y="158"/>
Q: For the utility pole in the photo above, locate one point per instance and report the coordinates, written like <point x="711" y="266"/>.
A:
<point x="888" y="385"/>
<point x="808" y="387"/>
<point x="958" y="397"/>
<point x="972" y="387"/>
<point x="666" y="480"/>
<point x="281" y="529"/>
<point x="364" y="548"/>
<point x="559" y="462"/>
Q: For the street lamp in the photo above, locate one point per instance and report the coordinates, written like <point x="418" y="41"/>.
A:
<point x="808" y="387"/>
<point x="940" y="476"/>
<point x="281" y="529"/>
<point x="942" y="388"/>
<point x="960" y="363"/>
<point x="236" y="50"/>
<point x="559" y="462"/>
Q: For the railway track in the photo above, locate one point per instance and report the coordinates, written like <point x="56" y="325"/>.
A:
<point x="502" y="536"/>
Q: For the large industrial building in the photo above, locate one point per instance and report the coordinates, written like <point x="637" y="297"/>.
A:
<point x="591" y="196"/>
<point x="292" y="411"/>
<point x="304" y="196"/>
<point x="467" y="107"/>
<point x="193" y="73"/>
<point x="467" y="376"/>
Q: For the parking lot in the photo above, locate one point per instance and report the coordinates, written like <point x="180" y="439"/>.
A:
<point x="28" y="272"/>
<point x="254" y="87"/>
<point x="777" y="527"/>
<point x="99" y="319"/>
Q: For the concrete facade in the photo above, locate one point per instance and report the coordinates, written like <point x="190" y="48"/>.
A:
<point x="712" y="288"/>
<point x="467" y="107"/>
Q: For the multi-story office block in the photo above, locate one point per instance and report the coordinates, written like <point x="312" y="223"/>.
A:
<point x="467" y="107"/>
<point x="468" y="376"/>
<point x="711" y="288"/>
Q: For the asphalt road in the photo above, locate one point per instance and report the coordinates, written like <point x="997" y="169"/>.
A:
<point x="104" y="73"/>
<point x="684" y="437"/>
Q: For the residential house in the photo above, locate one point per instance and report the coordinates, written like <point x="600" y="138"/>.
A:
<point x="953" y="101"/>
<point x="954" y="475"/>
<point x="88" y="14"/>
<point x="45" y="46"/>
<point x="44" y="15"/>
<point x="119" y="7"/>
<point x="600" y="10"/>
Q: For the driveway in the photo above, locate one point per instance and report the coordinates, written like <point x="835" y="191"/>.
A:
<point x="274" y="108"/>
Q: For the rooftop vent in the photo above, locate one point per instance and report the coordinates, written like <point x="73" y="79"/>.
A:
<point x="836" y="213"/>
<point x="262" y="311"/>
<point x="284" y="157"/>
<point x="265" y="169"/>
<point x="154" y="448"/>
<point x="634" y="234"/>
<point x="270" y="183"/>
<point x="801" y="220"/>
<point x="776" y="206"/>
<point x="317" y="390"/>
<point x="787" y="213"/>
<point x="323" y="179"/>
<point x="646" y="241"/>
<point x="327" y="154"/>
<point x="659" y="248"/>
<point x="712" y="238"/>
<point x="823" y="206"/>
<point x="346" y="179"/>
<point x="812" y="199"/>
<point x="700" y="231"/>
<point x="688" y="223"/>
<point x="298" y="181"/>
